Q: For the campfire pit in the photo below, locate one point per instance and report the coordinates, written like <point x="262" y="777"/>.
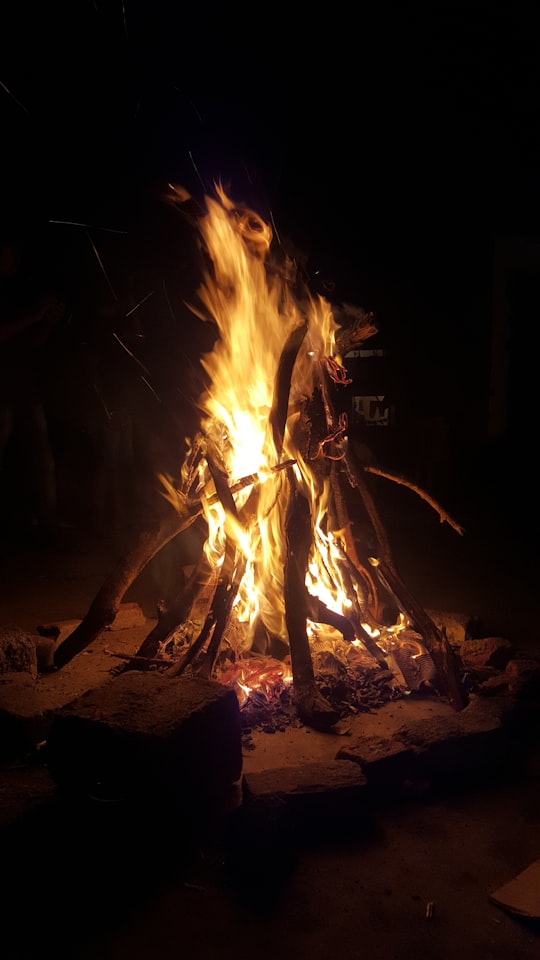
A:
<point x="285" y="599"/>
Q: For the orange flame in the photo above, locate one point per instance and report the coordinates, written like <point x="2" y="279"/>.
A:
<point x="251" y="301"/>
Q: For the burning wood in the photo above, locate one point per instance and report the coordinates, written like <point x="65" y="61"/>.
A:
<point x="280" y="562"/>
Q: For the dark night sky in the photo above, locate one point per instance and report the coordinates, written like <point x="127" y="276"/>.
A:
<point x="390" y="142"/>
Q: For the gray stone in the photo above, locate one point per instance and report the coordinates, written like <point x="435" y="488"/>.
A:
<point x="472" y="742"/>
<point x="523" y="677"/>
<point x="303" y="780"/>
<point x="487" y="652"/>
<point x="386" y="763"/>
<point x="17" y="651"/>
<point x="313" y="792"/>
<point x="142" y="735"/>
<point x="22" y="722"/>
<point x="456" y="626"/>
<point x="445" y="748"/>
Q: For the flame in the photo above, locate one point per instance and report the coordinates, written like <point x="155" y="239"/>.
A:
<point x="256" y="308"/>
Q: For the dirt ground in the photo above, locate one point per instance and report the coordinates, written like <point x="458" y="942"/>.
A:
<point x="409" y="880"/>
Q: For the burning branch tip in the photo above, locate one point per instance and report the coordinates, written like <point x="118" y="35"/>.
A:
<point x="194" y="506"/>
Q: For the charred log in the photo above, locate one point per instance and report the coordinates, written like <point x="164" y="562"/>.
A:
<point x="228" y="585"/>
<point x="177" y="613"/>
<point x="447" y="663"/>
<point x="449" y="680"/>
<point x="106" y="603"/>
<point x="225" y="592"/>
<point x="312" y="707"/>
<point x="319" y="613"/>
<point x="282" y="386"/>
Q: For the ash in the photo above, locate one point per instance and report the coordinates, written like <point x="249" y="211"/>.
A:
<point x="348" y="693"/>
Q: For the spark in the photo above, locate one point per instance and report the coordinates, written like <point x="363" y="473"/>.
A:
<point x="167" y="300"/>
<point x="275" y="229"/>
<point x="13" y="97"/>
<point x="89" y="226"/>
<point x="140" y="303"/>
<point x="99" y="260"/>
<point x="196" y="111"/>
<point x="132" y="355"/>
<point x="150" y="387"/>
<point x="196" y="169"/>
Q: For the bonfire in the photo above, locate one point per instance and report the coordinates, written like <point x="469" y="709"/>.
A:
<point x="283" y="592"/>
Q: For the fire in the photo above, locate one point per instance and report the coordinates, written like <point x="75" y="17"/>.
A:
<point x="264" y="322"/>
<point x="255" y="312"/>
<point x="270" y="468"/>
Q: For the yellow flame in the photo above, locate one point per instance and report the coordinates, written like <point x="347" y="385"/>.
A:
<point x="251" y="302"/>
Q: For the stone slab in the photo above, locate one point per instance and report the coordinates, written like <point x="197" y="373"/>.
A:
<point x="385" y="762"/>
<point x="142" y="735"/>
<point x="328" y="792"/>
<point x="23" y="723"/>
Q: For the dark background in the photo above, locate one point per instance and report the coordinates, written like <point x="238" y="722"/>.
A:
<point x="384" y="135"/>
<point x="392" y="143"/>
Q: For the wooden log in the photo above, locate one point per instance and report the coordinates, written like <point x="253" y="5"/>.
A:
<point x="311" y="706"/>
<point x="282" y="386"/>
<point x="178" y="668"/>
<point x="228" y="585"/>
<point x="357" y="569"/>
<point x="448" y="677"/>
<point x="150" y="541"/>
<point x="178" y="612"/>
<point x="221" y="610"/>
<point x="106" y="603"/>
<point x="356" y="325"/>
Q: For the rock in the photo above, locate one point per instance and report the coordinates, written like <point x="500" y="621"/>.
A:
<point x="474" y="742"/>
<point x="22" y="723"/>
<point x="458" y="627"/>
<point x="17" y="651"/>
<point x="487" y="652"/>
<point x="523" y="678"/>
<point x="495" y="684"/>
<point x="326" y="792"/>
<point x="518" y="690"/>
<point x="386" y="763"/>
<point x="142" y="736"/>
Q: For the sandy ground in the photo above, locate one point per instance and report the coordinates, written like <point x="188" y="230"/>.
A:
<point x="99" y="882"/>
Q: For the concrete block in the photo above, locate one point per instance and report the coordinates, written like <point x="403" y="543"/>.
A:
<point x="142" y="735"/>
